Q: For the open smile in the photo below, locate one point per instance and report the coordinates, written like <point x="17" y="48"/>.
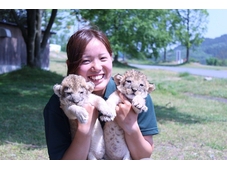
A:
<point x="96" y="77"/>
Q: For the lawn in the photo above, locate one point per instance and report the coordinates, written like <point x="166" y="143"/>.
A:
<point x="191" y="113"/>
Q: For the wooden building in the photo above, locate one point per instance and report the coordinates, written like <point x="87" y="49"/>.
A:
<point x="13" y="54"/>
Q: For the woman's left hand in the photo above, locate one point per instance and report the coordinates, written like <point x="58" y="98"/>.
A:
<point x="126" y="118"/>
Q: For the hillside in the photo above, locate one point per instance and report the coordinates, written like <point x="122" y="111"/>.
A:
<point x="216" y="47"/>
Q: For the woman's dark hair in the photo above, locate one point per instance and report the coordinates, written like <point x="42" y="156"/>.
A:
<point x="77" y="44"/>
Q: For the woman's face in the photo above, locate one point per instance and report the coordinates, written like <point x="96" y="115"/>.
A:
<point x="96" y="65"/>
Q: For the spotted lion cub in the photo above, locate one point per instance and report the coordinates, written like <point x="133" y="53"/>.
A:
<point x="73" y="93"/>
<point x="135" y="87"/>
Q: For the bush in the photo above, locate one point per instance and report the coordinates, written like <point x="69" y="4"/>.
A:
<point x="216" y="62"/>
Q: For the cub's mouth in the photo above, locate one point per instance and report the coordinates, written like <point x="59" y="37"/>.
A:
<point x="130" y="96"/>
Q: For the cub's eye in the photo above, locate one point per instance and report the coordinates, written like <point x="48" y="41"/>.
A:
<point x="128" y="81"/>
<point x="141" y="85"/>
<point x="68" y="93"/>
<point x="81" y="91"/>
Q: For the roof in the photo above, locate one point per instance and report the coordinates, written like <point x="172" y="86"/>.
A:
<point x="15" y="25"/>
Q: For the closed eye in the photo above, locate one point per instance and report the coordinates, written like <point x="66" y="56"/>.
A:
<point x="86" y="59"/>
<point x="85" y="62"/>
<point x="103" y="58"/>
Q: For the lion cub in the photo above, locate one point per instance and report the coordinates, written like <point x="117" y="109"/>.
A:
<point x="73" y="93"/>
<point x="135" y="87"/>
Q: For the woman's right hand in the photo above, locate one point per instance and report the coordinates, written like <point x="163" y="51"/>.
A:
<point x="79" y="148"/>
<point x="86" y="128"/>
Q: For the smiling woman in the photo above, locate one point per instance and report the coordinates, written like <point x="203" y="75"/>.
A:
<point x="90" y="55"/>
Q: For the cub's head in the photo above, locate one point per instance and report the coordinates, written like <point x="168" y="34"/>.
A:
<point x="73" y="90"/>
<point x="133" y="83"/>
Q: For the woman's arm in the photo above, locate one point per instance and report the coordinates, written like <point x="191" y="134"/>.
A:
<point x="79" y="148"/>
<point x="139" y="146"/>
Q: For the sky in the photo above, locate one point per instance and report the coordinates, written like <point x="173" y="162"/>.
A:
<point x="217" y="25"/>
<point x="217" y="9"/>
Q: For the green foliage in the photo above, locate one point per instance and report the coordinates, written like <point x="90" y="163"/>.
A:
<point x="216" y="62"/>
<point x="191" y="28"/>
<point x="24" y="94"/>
<point x="130" y="34"/>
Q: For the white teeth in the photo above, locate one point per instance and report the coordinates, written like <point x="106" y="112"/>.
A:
<point x="96" y="77"/>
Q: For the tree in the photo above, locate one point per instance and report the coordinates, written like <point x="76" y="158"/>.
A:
<point x="64" y="25"/>
<point x="30" y="26"/>
<point x="168" y="27"/>
<point x="133" y="32"/>
<point x="191" y="27"/>
<point x="35" y="36"/>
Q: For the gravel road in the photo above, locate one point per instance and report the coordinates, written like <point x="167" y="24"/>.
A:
<point x="195" y="71"/>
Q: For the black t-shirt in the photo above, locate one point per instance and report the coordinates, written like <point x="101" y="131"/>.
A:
<point x="57" y="129"/>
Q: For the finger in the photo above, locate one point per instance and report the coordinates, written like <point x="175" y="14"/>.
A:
<point x="122" y="97"/>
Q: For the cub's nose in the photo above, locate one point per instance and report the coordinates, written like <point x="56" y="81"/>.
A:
<point x="134" y="90"/>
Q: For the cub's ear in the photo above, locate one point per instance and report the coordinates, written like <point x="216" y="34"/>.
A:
<point x="151" y="87"/>
<point x="57" y="89"/>
<point x="90" y="86"/>
<point x="117" y="78"/>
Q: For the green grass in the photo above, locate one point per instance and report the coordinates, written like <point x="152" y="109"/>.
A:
<point x="23" y="97"/>
<point x="191" y="113"/>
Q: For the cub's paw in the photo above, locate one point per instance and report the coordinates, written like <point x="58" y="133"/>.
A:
<point x="107" y="118"/>
<point x="82" y="115"/>
<point x="138" y="104"/>
<point x="107" y="111"/>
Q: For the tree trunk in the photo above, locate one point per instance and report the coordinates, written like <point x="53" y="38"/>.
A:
<point x="46" y="34"/>
<point x="187" y="54"/>
<point x="116" y="58"/>
<point x="38" y="58"/>
<point x="164" y="57"/>
<point x="31" y="36"/>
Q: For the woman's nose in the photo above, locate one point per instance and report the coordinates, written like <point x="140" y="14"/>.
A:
<point x="96" y="66"/>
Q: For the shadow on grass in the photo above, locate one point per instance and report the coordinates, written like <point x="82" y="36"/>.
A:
<point x="164" y="114"/>
<point x="118" y="64"/>
<point x="24" y="94"/>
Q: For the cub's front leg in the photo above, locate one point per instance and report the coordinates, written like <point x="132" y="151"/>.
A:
<point x="139" y="104"/>
<point x="111" y="102"/>
<point x="76" y="112"/>
<point x="107" y="111"/>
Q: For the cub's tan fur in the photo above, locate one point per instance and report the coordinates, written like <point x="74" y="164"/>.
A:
<point x="135" y="87"/>
<point x="73" y="93"/>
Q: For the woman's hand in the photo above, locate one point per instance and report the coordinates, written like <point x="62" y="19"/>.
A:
<point x="86" y="128"/>
<point x="139" y="146"/>
<point x="126" y="118"/>
<point x="79" y="148"/>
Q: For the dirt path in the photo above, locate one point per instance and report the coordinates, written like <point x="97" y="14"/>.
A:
<point x="195" y="71"/>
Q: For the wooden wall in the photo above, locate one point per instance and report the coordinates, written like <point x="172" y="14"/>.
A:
<point x="13" y="49"/>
